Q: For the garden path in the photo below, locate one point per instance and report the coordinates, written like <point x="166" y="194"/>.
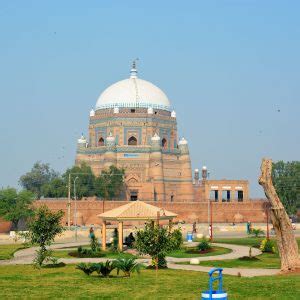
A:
<point x="26" y="256"/>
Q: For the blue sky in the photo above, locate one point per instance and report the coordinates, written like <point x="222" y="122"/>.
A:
<point x="230" y="68"/>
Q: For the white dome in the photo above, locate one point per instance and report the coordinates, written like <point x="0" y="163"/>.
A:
<point x="133" y="92"/>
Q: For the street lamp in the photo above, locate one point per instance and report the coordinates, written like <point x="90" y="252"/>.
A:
<point x="75" y="208"/>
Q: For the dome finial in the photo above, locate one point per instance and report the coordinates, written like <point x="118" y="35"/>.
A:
<point x="133" y="71"/>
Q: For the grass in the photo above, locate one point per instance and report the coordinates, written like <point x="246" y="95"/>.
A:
<point x="7" y="251"/>
<point x="193" y="252"/>
<point x="263" y="261"/>
<point x="25" y="282"/>
<point x="247" y="241"/>
<point x="107" y="254"/>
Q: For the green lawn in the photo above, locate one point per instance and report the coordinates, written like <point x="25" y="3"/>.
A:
<point x="25" y="282"/>
<point x="247" y="241"/>
<point x="65" y="254"/>
<point x="7" y="251"/>
<point x="263" y="261"/>
<point x="192" y="252"/>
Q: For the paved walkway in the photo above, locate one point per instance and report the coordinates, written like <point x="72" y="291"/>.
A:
<point x="26" y="256"/>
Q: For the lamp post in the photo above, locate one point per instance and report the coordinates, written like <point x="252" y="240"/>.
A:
<point x="75" y="208"/>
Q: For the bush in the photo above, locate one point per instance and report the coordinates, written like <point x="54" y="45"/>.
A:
<point x="256" y="232"/>
<point x="95" y="247"/>
<point x="88" y="269"/>
<point x="204" y="245"/>
<point x="44" y="256"/>
<point x="267" y="246"/>
<point x="127" y="266"/>
<point x="86" y="253"/>
<point x="105" y="268"/>
<point x="157" y="242"/>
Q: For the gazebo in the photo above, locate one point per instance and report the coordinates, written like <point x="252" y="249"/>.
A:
<point x="133" y="211"/>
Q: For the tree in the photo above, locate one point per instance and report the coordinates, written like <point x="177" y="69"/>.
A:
<point x="85" y="185"/>
<point x="39" y="175"/>
<point x="43" y="228"/>
<point x="110" y="183"/>
<point x="15" y="206"/>
<point x="157" y="242"/>
<point x="286" y="242"/>
<point x="286" y="180"/>
<point x="56" y="188"/>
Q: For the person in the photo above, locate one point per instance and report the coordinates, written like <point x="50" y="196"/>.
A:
<point x="129" y="240"/>
<point x="248" y="227"/>
<point x="92" y="233"/>
<point x="194" y="227"/>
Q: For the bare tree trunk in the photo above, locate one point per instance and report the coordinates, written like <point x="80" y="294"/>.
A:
<point x="287" y="244"/>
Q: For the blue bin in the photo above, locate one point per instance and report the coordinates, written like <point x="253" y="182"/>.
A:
<point x="189" y="237"/>
<point x="211" y="294"/>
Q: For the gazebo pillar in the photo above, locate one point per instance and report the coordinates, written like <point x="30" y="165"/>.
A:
<point x="104" y="235"/>
<point x="120" y="235"/>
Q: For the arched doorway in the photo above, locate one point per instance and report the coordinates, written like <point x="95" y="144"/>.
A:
<point x="132" y="141"/>
<point x="164" y="143"/>
<point x="101" y="142"/>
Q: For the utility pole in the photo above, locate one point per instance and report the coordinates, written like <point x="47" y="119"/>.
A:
<point x="75" y="208"/>
<point x="69" y="201"/>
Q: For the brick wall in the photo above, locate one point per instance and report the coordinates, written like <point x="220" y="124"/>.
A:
<point x="87" y="210"/>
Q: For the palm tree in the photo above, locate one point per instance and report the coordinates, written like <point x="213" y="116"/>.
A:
<point x="128" y="266"/>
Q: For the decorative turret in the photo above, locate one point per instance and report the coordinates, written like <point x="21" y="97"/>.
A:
<point x="173" y="114"/>
<point x="82" y="142"/>
<point x="155" y="142"/>
<point x="204" y="172"/>
<point x="156" y="169"/>
<point x="183" y="146"/>
<point x="110" y="140"/>
<point x="110" y="156"/>
<point x="92" y="113"/>
<point x="150" y="111"/>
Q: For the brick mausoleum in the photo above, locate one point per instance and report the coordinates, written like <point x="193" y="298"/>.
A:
<point x="133" y="127"/>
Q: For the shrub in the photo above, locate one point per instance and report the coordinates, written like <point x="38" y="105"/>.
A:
<point x="267" y="246"/>
<point x="157" y="242"/>
<point x="127" y="266"/>
<point x="256" y="232"/>
<point x="88" y="269"/>
<point x="105" y="268"/>
<point x="204" y="245"/>
<point x="114" y="245"/>
<point x="42" y="256"/>
<point x="95" y="247"/>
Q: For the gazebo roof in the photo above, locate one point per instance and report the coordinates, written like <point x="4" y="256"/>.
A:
<point x="137" y="210"/>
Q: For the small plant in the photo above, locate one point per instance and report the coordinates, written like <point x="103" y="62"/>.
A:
<point x="105" y="268"/>
<point x="267" y="246"/>
<point x="204" y="245"/>
<point x="95" y="247"/>
<point x="115" y="242"/>
<point x="88" y="269"/>
<point x="256" y="232"/>
<point x="127" y="266"/>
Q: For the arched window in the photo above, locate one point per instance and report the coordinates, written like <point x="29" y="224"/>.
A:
<point x="164" y="143"/>
<point x="101" y="142"/>
<point x="132" y="141"/>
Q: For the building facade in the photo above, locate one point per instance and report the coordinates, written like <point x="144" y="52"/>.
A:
<point x="133" y="127"/>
